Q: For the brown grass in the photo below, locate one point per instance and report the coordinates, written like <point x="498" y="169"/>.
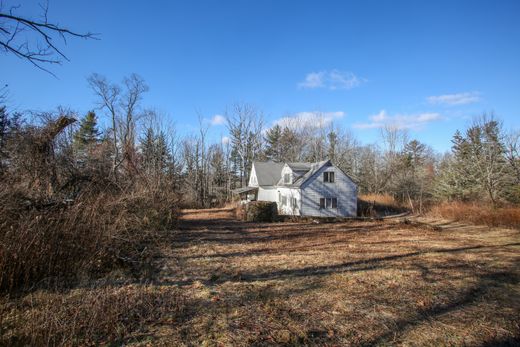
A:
<point x="378" y="205"/>
<point x="479" y="214"/>
<point x="381" y="199"/>
<point x="349" y="283"/>
<point x="108" y="315"/>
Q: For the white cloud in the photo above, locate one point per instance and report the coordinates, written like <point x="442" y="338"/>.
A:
<point x="332" y="80"/>
<point x="218" y="120"/>
<point x="309" y="119"/>
<point x="455" y="99"/>
<point x="225" y="140"/>
<point x="399" y="121"/>
<point x="313" y="80"/>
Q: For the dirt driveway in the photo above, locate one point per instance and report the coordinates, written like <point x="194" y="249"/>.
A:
<point x="352" y="283"/>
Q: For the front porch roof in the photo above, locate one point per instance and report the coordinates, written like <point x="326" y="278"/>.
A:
<point x="244" y="190"/>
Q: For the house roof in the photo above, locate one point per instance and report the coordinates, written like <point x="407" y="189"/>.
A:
<point x="300" y="166"/>
<point x="244" y="190"/>
<point x="268" y="172"/>
<point x="313" y="168"/>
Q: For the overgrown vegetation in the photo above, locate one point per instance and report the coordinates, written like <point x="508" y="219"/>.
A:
<point x="67" y="213"/>
<point x="85" y="316"/>
<point x="258" y="211"/>
<point x="478" y="214"/>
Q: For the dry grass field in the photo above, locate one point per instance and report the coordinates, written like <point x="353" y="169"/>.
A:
<point x="354" y="283"/>
<point x="223" y="282"/>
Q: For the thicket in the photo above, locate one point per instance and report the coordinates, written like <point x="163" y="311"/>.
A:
<point x="69" y="212"/>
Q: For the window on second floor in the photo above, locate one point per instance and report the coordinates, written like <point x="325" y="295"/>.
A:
<point x="287" y="178"/>
<point x="328" y="177"/>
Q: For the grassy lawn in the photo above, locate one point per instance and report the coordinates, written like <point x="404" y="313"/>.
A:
<point x="228" y="283"/>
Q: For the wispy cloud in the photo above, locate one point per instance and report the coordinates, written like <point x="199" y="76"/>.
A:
<point x="218" y="120"/>
<point x="399" y="121"/>
<point x="225" y="140"/>
<point x="455" y="99"/>
<point x="332" y="80"/>
<point x="309" y="119"/>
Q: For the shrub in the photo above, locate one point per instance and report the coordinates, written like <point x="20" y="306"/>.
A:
<point x="258" y="211"/>
<point x="44" y="243"/>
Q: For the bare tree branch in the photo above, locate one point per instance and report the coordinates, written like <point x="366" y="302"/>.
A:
<point x="38" y="46"/>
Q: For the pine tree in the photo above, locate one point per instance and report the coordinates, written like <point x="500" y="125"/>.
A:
<point x="333" y="143"/>
<point x="162" y="153"/>
<point x="147" y="144"/>
<point x="272" y="139"/>
<point x="87" y="133"/>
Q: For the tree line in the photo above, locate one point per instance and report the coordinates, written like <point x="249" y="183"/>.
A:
<point x="137" y="144"/>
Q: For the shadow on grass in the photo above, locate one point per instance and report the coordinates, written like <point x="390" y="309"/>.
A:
<point x="351" y="266"/>
<point x="487" y="286"/>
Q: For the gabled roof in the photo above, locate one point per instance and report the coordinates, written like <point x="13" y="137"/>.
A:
<point x="268" y="172"/>
<point x="313" y="168"/>
<point x="299" y="166"/>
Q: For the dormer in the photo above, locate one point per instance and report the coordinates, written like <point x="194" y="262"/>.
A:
<point x="287" y="175"/>
<point x="253" y="179"/>
<point x="291" y="172"/>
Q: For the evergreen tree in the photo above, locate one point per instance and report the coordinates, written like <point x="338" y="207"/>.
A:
<point x="290" y="145"/>
<point x="147" y="144"/>
<point x="273" y="146"/>
<point x="87" y="133"/>
<point x="9" y="124"/>
<point x="162" y="153"/>
<point x="333" y="144"/>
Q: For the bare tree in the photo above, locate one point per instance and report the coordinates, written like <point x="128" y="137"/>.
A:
<point x="108" y="94"/>
<point x="34" y="39"/>
<point x="123" y="109"/>
<point x="245" y="124"/>
<point x="512" y="151"/>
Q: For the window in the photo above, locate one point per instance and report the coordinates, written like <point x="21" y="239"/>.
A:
<point x="328" y="202"/>
<point x="294" y="203"/>
<point x="287" y="178"/>
<point x="328" y="177"/>
<point x="284" y="201"/>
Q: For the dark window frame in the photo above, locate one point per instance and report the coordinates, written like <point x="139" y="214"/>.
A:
<point x="328" y="203"/>
<point x="328" y="177"/>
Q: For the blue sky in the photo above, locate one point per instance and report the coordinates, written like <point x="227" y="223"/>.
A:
<point x="428" y="66"/>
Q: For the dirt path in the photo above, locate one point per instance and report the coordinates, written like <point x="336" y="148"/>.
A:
<point x="343" y="283"/>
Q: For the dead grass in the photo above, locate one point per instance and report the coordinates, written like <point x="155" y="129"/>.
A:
<point x="378" y="205"/>
<point x="107" y="315"/>
<point x="350" y="283"/>
<point x="479" y="214"/>
<point x="55" y="245"/>
<point x="353" y="283"/>
<point x="382" y="199"/>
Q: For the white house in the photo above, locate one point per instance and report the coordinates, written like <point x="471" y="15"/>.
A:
<point x="303" y="189"/>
